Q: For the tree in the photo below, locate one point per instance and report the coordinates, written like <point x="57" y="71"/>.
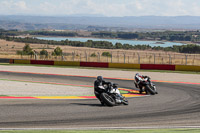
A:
<point x="44" y="52"/>
<point x="118" y="46"/>
<point x="93" y="55"/>
<point x="57" y="51"/>
<point x="27" y="50"/>
<point x="107" y="54"/>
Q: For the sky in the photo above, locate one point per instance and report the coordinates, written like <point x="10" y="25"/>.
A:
<point x="108" y="8"/>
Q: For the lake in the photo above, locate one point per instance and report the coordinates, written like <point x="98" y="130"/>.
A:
<point x="131" y="42"/>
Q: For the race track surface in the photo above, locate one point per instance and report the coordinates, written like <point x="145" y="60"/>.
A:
<point x="175" y="105"/>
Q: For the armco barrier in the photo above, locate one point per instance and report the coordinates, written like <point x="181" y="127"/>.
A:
<point x="157" y="67"/>
<point x="126" y="66"/>
<point x="66" y="63"/>
<point x="18" y="61"/>
<point x="4" y="60"/>
<point x="42" y="62"/>
<point x="94" y="64"/>
<point x="11" y="61"/>
<point x="107" y="65"/>
<point x="187" y="68"/>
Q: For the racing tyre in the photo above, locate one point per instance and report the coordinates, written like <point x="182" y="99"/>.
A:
<point x="108" y="100"/>
<point x="150" y="90"/>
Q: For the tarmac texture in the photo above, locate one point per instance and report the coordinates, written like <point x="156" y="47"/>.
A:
<point x="176" y="104"/>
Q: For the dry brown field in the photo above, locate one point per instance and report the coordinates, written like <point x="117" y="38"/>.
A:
<point x="8" y="49"/>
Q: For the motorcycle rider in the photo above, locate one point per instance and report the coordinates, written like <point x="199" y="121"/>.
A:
<point x="139" y="78"/>
<point x="98" y="86"/>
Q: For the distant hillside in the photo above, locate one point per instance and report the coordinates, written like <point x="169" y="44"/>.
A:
<point x="100" y="23"/>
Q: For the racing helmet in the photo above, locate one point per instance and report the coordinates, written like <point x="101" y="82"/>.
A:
<point x="137" y="74"/>
<point x="115" y="85"/>
<point x="100" y="78"/>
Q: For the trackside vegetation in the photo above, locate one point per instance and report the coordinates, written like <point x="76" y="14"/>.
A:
<point x="27" y="50"/>
<point x="190" y="48"/>
<point x="192" y="36"/>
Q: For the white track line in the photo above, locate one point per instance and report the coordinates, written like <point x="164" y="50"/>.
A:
<point x="107" y="128"/>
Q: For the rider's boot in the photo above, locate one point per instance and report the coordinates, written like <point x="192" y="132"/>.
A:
<point x="147" y="93"/>
<point x="102" y="103"/>
<point x="136" y="85"/>
<point x="141" y="90"/>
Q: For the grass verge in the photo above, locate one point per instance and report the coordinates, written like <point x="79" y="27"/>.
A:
<point x="106" y="131"/>
<point x="96" y="68"/>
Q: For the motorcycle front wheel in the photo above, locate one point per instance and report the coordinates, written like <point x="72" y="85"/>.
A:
<point x="107" y="99"/>
<point x="150" y="90"/>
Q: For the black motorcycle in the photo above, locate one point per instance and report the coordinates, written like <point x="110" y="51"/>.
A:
<point x="147" y="86"/>
<point x="111" y="96"/>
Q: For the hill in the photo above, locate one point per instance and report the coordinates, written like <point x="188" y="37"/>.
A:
<point x="100" y="23"/>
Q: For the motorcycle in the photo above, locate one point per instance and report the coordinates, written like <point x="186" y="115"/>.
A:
<point x="147" y="86"/>
<point x="111" y="95"/>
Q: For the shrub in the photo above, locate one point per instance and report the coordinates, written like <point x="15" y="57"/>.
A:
<point x="107" y="54"/>
<point x="27" y="50"/>
<point x="44" y="52"/>
<point x="57" y="51"/>
<point x="93" y="55"/>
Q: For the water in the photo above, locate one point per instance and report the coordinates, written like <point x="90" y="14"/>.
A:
<point x="131" y="42"/>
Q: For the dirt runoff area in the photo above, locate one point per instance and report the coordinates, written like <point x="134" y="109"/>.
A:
<point x="161" y="76"/>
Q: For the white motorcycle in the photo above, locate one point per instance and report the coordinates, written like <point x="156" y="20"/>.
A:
<point x="147" y="86"/>
<point x="111" y="95"/>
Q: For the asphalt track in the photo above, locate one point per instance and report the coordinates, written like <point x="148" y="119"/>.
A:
<point x="175" y="105"/>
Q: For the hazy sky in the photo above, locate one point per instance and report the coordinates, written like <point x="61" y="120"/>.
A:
<point x="101" y="7"/>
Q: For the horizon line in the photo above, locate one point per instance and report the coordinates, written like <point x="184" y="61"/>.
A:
<point x="91" y="15"/>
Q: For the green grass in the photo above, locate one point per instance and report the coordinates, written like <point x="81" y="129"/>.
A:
<point x="107" y="131"/>
<point x="96" y="68"/>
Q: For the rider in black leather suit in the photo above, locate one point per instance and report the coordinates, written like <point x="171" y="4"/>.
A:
<point x="98" y="86"/>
